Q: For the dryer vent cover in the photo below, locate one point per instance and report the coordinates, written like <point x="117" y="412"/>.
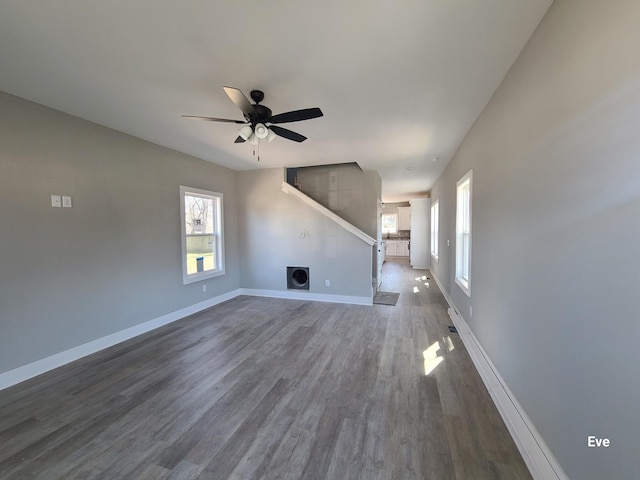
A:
<point x="298" y="278"/>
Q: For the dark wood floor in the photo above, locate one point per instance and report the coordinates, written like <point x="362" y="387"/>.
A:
<point x="259" y="388"/>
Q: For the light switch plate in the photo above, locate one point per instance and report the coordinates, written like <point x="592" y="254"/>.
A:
<point x="55" y="201"/>
<point x="66" y="201"/>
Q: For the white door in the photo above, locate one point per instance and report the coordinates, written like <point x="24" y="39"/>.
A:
<point x="420" y="256"/>
<point x="379" y="246"/>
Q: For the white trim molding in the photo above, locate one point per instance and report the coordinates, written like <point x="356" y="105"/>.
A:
<point x="536" y="454"/>
<point x="33" y="369"/>
<point x="313" y="297"/>
<point x="293" y="191"/>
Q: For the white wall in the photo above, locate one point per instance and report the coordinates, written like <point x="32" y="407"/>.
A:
<point x="420" y="255"/>
<point x="277" y="230"/>
<point x="556" y="202"/>
<point x="70" y="276"/>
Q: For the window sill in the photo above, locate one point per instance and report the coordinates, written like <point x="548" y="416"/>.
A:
<point x="198" y="277"/>
<point x="464" y="285"/>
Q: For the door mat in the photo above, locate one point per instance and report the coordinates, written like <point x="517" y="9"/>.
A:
<point x="386" y="298"/>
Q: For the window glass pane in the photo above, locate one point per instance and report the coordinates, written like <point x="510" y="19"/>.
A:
<point x="200" y="253"/>
<point x="390" y="223"/>
<point x="465" y="257"/>
<point x="198" y="215"/>
<point x="435" y="208"/>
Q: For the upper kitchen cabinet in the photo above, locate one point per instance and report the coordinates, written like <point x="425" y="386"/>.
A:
<point x="404" y="218"/>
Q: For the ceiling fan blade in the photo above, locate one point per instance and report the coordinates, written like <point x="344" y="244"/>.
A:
<point x="288" y="134"/>
<point x="212" y="119"/>
<point x="241" y="101"/>
<point x="297" y="115"/>
<point x="239" y="140"/>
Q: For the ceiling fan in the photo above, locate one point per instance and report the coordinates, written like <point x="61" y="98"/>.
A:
<point x="259" y="123"/>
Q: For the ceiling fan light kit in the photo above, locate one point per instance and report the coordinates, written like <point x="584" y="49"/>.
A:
<point x="259" y="120"/>
<point x="261" y="131"/>
<point x="245" y="132"/>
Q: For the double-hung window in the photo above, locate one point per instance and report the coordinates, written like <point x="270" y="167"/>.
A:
<point x="202" y="234"/>
<point x="463" y="232"/>
<point x="435" y="222"/>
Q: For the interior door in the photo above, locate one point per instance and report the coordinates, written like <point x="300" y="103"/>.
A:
<point x="379" y="246"/>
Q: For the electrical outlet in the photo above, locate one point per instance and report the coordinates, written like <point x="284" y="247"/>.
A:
<point x="66" y="201"/>
<point x="204" y="287"/>
<point x="327" y="283"/>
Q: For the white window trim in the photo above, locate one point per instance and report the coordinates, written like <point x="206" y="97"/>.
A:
<point x="218" y="231"/>
<point x="463" y="282"/>
<point x="435" y="229"/>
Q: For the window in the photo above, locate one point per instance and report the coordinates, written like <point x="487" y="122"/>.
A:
<point x="435" y="222"/>
<point x="202" y="235"/>
<point x="389" y="223"/>
<point x="463" y="233"/>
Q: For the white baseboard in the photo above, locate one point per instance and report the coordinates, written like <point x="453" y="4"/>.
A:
<point x="25" y="372"/>
<point x="539" y="459"/>
<point x="33" y="369"/>
<point x="304" y="295"/>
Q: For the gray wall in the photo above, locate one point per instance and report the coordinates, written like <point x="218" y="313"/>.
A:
<point x="277" y="230"/>
<point x="346" y="190"/>
<point x="556" y="209"/>
<point x="69" y="276"/>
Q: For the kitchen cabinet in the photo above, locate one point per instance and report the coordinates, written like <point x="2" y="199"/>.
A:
<point x="397" y="248"/>
<point x="404" y="218"/>
<point x="391" y="248"/>
<point x="403" y="248"/>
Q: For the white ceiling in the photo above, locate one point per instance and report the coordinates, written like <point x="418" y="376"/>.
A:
<point x="400" y="82"/>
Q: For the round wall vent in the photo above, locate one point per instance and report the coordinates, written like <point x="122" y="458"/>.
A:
<point x="298" y="278"/>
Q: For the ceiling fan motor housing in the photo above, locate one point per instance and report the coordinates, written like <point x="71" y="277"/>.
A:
<point x="257" y="95"/>
<point x="262" y="115"/>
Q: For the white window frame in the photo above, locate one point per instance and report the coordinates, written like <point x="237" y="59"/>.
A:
<point x="390" y="215"/>
<point x="464" y="196"/>
<point x="435" y="228"/>
<point x="218" y="233"/>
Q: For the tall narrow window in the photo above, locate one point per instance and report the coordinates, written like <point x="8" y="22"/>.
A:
<point x="463" y="233"/>
<point x="202" y="234"/>
<point x="435" y="222"/>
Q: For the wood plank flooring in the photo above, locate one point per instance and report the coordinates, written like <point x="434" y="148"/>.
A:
<point x="259" y="388"/>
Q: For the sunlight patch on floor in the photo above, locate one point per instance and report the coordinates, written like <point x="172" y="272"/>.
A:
<point x="431" y="358"/>
<point x="422" y="279"/>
